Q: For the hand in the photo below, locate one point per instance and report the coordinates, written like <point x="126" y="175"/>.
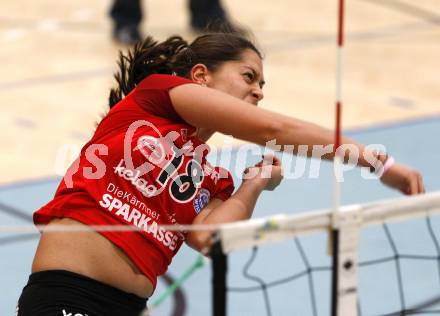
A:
<point x="267" y="174"/>
<point x="404" y="179"/>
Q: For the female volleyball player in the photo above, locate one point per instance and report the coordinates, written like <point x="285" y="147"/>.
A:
<point x="146" y="166"/>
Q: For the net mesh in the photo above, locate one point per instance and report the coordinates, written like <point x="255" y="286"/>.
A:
<point x="398" y="272"/>
<point x="281" y="265"/>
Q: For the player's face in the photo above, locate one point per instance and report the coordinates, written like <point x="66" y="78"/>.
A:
<point x="240" y="78"/>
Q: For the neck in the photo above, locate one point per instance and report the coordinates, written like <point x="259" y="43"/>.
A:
<point x="203" y="134"/>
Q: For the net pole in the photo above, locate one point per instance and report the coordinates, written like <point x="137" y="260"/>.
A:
<point x="334" y="284"/>
<point x="219" y="271"/>
<point x="337" y="159"/>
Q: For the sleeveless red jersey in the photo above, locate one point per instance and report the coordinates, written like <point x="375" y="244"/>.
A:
<point x="141" y="168"/>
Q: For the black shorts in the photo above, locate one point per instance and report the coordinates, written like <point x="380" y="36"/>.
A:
<point x="64" y="293"/>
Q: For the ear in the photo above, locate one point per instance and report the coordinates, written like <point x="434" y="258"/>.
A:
<point x="200" y="74"/>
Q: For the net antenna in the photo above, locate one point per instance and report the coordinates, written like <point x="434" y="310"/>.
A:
<point x="343" y="243"/>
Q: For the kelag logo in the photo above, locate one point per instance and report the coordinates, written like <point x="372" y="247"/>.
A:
<point x="71" y="314"/>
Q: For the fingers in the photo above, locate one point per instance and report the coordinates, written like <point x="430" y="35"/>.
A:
<point x="268" y="171"/>
<point x="404" y="179"/>
<point x="420" y="183"/>
<point x="415" y="185"/>
<point x="269" y="160"/>
<point x="250" y="173"/>
<point x="276" y="161"/>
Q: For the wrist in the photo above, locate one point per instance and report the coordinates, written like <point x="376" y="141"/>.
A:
<point x="382" y="164"/>
<point x="388" y="164"/>
<point x="256" y="185"/>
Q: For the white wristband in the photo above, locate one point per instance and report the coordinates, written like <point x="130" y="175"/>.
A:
<point x="386" y="166"/>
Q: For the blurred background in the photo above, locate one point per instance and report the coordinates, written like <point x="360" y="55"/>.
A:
<point x="57" y="60"/>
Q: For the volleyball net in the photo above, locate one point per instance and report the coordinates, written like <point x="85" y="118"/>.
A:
<point x="381" y="258"/>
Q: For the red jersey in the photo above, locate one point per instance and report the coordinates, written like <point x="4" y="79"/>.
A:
<point x="141" y="168"/>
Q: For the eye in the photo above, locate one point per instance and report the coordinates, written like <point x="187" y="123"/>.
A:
<point x="249" y="76"/>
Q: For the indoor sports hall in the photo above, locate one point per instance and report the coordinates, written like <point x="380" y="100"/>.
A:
<point x="58" y="59"/>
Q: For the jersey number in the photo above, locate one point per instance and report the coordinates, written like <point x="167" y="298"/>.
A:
<point x="184" y="186"/>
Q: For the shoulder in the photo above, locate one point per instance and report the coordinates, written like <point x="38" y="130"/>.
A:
<point x="152" y="95"/>
<point x="162" y="82"/>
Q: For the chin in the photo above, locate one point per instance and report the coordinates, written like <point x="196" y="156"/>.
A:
<point x="205" y="134"/>
<point x="251" y="101"/>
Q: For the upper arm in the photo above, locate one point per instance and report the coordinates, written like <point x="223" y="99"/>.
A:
<point x="227" y="114"/>
<point x="206" y="210"/>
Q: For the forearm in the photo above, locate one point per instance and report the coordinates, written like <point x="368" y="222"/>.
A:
<point x="238" y="207"/>
<point x="318" y="142"/>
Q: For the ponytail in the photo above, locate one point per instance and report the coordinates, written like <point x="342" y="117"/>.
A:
<point x="144" y="59"/>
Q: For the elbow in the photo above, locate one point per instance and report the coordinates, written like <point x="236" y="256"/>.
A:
<point x="200" y="241"/>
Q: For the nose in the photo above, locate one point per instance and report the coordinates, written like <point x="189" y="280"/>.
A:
<point x="257" y="93"/>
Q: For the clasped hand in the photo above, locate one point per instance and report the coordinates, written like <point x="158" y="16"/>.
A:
<point x="267" y="174"/>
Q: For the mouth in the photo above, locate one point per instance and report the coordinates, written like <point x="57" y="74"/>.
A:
<point x="252" y="100"/>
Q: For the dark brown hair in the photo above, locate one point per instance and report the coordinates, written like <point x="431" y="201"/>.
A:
<point x="175" y="56"/>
